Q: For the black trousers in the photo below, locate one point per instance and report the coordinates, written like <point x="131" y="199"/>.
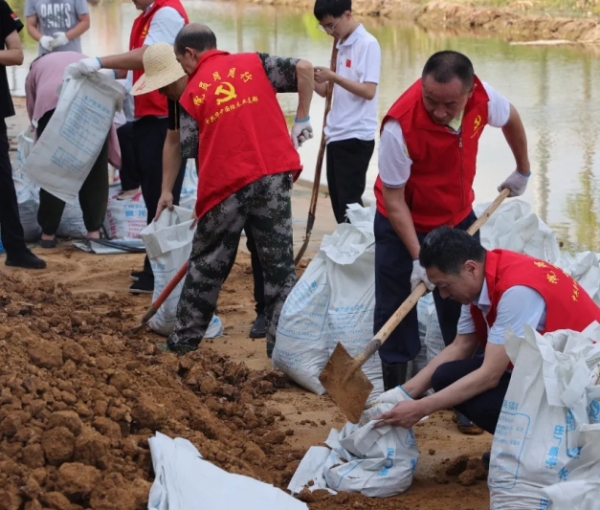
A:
<point x="149" y="135"/>
<point x="483" y="409"/>
<point x="347" y="164"/>
<point x="10" y="222"/>
<point x="257" y="272"/>
<point x="393" y="267"/>
<point x="129" y="171"/>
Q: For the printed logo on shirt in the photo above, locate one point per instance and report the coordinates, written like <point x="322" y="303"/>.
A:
<point x="56" y="15"/>
<point x="476" y="125"/>
<point x="348" y="62"/>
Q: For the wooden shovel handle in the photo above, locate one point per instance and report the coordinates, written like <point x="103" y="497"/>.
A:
<point x="420" y="290"/>
<point x="153" y="308"/>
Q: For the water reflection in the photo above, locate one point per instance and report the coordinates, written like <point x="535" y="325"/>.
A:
<point x="552" y="88"/>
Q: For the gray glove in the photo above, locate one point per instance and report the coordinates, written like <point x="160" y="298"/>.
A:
<point x="419" y="275"/>
<point x="516" y="183"/>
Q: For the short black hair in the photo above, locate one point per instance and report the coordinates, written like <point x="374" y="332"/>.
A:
<point x="196" y="36"/>
<point x="446" y="65"/>
<point x="448" y="249"/>
<point x="333" y="8"/>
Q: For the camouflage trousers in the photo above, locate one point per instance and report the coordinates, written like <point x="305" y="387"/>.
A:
<point x="264" y="205"/>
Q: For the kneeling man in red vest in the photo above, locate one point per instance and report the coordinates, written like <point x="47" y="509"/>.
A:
<point x="500" y="291"/>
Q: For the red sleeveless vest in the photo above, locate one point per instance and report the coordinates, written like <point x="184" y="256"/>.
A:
<point x="439" y="190"/>
<point x="568" y="305"/>
<point x="152" y="103"/>
<point x="243" y="133"/>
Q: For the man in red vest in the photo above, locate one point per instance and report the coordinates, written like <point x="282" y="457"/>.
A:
<point x="499" y="291"/>
<point x="247" y="162"/>
<point x="427" y="160"/>
<point x="160" y="21"/>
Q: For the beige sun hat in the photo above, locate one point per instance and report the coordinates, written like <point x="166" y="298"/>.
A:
<point x="161" y="69"/>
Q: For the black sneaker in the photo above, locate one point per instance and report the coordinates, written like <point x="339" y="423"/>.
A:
<point x="135" y="275"/>
<point x="26" y="259"/>
<point x="259" y="328"/>
<point x="144" y="285"/>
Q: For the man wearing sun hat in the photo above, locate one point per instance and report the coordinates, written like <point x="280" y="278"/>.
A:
<point x="160" y="21"/>
<point x="245" y="177"/>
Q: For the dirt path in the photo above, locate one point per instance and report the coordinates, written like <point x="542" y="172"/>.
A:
<point x="99" y="285"/>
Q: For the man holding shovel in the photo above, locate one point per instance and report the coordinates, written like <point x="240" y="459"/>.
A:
<point x="246" y="160"/>
<point x="427" y="162"/>
<point x="500" y="291"/>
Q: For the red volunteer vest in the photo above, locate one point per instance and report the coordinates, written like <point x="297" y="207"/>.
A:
<point x="439" y="190"/>
<point x="568" y="305"/>
<point x="243" y="133"/>
<point x="152" y="103"/>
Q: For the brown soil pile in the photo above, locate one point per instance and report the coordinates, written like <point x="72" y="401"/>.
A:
<point x="80" y="398"/>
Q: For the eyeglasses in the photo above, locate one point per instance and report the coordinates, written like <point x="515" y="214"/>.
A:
<point x="328" y="28"/>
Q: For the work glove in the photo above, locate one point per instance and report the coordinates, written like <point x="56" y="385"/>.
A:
<point x="419" y="275"/>
<point x="60" y="39"/>
<point x="46" y="42"/>
<point x="301" y="132"/>
<point x="88" y="66"/>
<point x="516" y="183"/>
<point x="111" y="73"/>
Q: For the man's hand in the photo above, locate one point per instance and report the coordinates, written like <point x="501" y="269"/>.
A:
<point x="301" y="132"/>
<point x="516" y="183"/>
<point x="323" y="74"/>
<point x="164" y="202"/>
<point x="46" y="42"/>
<point x="60" y="39"/>
<point x="404" y="414"/>
<point x="88" y="66"/>
<point x="419" y="275"/>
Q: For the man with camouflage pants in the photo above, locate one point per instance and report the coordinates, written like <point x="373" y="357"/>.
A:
<point x="247" y="166"/>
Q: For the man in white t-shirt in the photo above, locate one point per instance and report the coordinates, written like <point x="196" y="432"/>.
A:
<point x="160" y="21"/>
<point x="427" y="161"/>
<point x="57" y="25"/>
<point x="352" y="121"/>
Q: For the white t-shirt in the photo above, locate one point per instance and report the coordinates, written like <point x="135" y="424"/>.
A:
<point x="519" y="305"/>
<point x="394" y="161"/>
<point x="164" y="27"/>
<point x="359" y="59"/>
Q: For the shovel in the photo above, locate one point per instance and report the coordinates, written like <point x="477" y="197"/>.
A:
<point x="153" y="308"/>
<point x="317" y="182"/>
<point x="342" y="378"/>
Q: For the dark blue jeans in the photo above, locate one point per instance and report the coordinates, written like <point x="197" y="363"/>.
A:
<point x="393" y="267"/>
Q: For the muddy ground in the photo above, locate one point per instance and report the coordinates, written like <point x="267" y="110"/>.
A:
<point x="80" y="397"/>
<point x="520" y="21"/>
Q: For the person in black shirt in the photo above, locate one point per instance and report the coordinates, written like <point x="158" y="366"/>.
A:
<point x="11" y="54"/>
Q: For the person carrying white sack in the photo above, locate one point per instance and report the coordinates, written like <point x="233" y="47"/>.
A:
<point x="499" y="291"/>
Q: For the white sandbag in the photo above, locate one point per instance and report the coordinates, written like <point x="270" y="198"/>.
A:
<point x="550" y="396"/>
<point x="377" y="462"/>
<point x="168" y="243"/>
<point x="25" y="142"/>
<point x="332" y="302"/>
<point x="309" y="474"/>
<point x="185" y="481"/>
<point x="125" y="219"/>
<point x="430" y="333"/>
<point x="28" y="200"/>
<point x="63" y="156"/>
<point x="579" y="488"/>
<point x="71" y="222"/>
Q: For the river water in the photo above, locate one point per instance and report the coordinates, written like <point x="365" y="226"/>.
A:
<point x="552" y="87"/>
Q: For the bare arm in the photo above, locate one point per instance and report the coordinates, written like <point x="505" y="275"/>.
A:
<point x="321" y="89"/>
<point x="130" y="61"/>
<point x="306" y="86"/>
<point x="364" y="90"/>
<point x="514" y="132"/>
<point x="13" y="54"/>
<point x="32" y="27"/>
<point x="171" y="160"/>
<point x="462" y="348"/>
<point x="401" y="219"/>
<point x="80" y="28"/>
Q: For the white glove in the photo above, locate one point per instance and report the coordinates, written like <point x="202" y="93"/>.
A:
<point x="419" y="275"/>
<point x="111" y="73"/>
<point x="516" y="183"/>
<point x="88" y="66"/>
<point x="46" y="42"/>
<point x="301" y="132"/>
<point x="60" y="39"/>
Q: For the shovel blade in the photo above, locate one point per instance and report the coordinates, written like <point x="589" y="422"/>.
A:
<point x="350" y="395"/>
